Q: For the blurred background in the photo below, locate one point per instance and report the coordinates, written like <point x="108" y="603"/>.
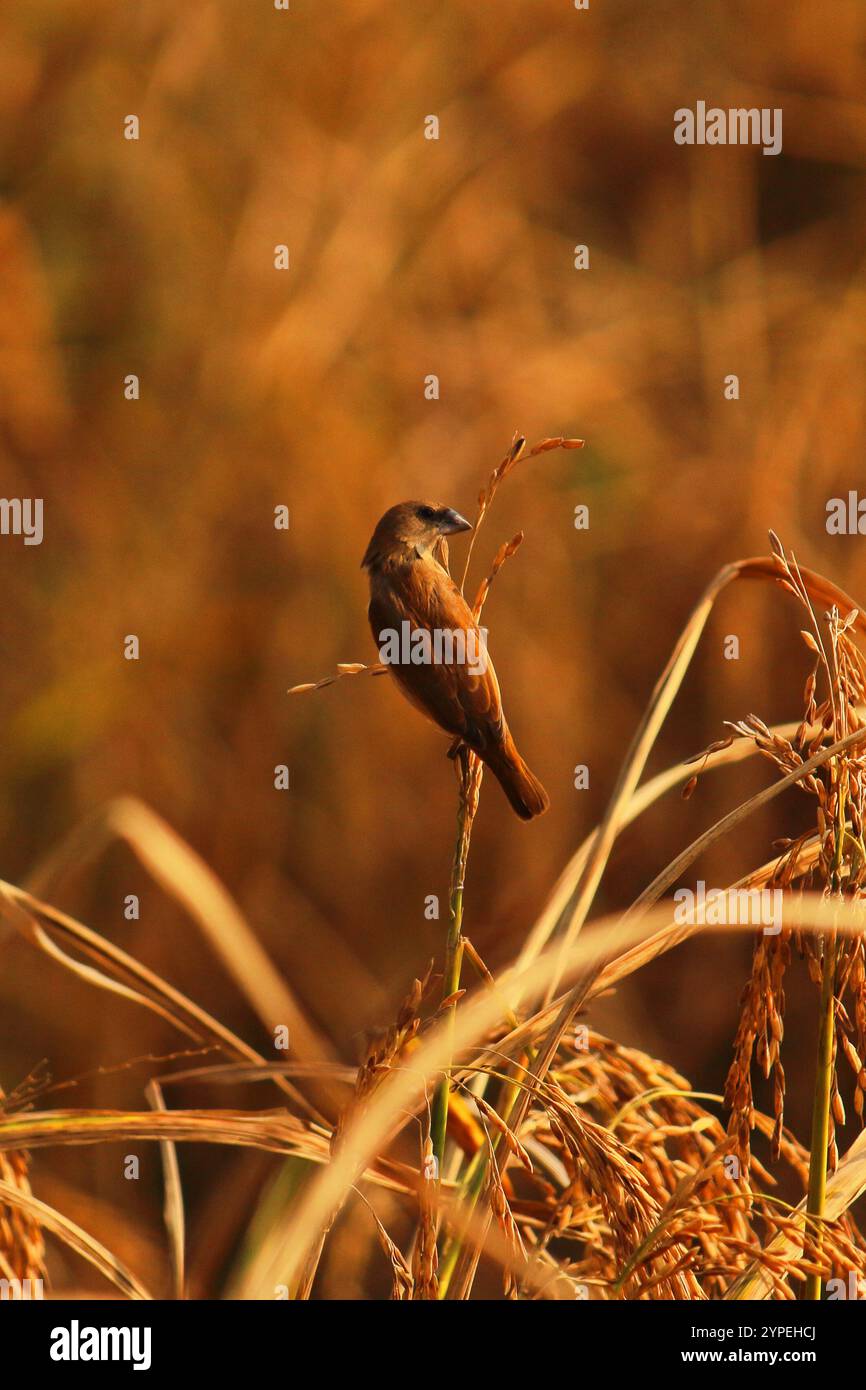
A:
<point x="305" y="387"/>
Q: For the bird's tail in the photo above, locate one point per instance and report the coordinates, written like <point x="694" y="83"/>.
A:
<point x="521" y="786"/>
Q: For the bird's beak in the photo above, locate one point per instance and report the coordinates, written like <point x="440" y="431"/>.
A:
<point x="451" y="522"/>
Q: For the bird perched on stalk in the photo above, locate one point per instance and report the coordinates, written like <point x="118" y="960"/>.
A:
<point x="412" y="592"/>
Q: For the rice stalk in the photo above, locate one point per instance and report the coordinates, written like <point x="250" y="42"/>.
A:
<point x="402" y="1090"/>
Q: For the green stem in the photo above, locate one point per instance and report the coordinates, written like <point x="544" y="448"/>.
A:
<point x="821" y="1107"/>
<point x="450" y="985"/>
<point x="471" y="1189"/>
<point x="451" y="975"/>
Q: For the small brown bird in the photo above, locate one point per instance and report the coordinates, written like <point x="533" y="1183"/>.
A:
<point x="412" y="594"/>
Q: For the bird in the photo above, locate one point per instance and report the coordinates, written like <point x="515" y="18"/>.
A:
<point x="412" y="593"/>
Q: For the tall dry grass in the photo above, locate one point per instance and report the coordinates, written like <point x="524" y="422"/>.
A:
<point x="582" y="1168"/>
<point x="407" y="258"/>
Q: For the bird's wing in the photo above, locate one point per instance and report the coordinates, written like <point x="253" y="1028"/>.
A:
<point x="461" y="701"/>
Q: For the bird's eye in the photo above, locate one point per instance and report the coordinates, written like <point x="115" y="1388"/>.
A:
<point x="426" y="514"/>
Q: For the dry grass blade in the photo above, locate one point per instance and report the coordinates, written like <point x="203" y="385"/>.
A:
<point x="627" y="962"/>
<point x="669" y="682"/>
<point x="577" y="996"/>
<point x="812" y="586"/>
<point x="185" y="877"/>
<point x="20" y="911"/>
<point x="232" y="1072"/>
<point x="24" y="912"/>
<point x="77" y="1239"/>
<point x="173" y="1212"/>
<point x="552" y="914"/>
<point x="404" y="1089"/>
<point x="671" y="873"/>
<point x="272" y="1131"/>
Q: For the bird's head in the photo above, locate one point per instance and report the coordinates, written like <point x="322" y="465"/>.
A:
<point x="411" y="530"/>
